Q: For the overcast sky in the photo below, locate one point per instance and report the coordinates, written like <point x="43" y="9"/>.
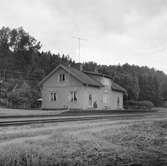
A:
<point x="116" y="31"/>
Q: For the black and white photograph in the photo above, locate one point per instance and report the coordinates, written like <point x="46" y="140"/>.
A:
<point x="83" y="82"/>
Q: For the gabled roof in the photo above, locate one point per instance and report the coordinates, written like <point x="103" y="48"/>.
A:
<point x="79" y="75"/>
<point x="85" y="78"/>
<point x="97" y="74"/>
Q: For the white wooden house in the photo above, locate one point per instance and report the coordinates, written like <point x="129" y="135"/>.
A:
<point x="68" y="87"/>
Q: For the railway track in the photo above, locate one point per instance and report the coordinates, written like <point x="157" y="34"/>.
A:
<point x="28" y="121"/>
<point x="18" y="121"/>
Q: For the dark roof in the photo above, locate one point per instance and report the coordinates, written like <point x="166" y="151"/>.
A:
<point x="118" y="88"/>
<point x="85" y="78"/>
<point x="114" y="86"/>
<point x="97" y="74"/>
<point x="79" y="75"/>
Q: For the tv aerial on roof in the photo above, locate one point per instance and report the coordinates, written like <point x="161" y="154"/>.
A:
<point x="79" y="45"/>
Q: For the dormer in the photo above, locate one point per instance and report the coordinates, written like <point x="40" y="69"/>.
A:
<point x="106" y="81"/>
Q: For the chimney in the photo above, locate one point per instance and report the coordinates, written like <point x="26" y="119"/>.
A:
<point x="78" y="66"/>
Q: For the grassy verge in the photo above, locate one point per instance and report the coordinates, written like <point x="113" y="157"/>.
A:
<point x="102" y="112"/>
<point x="90" y="143"/>
<point x="18" y="113"/>
<point x="4" y="112"/>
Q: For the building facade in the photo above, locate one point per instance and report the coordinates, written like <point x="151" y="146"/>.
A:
<point x="69" y="88"/>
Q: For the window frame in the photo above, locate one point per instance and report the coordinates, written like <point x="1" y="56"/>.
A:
<point x="90" y="100"/>
<point x="105" y="98"/>
<point x="118" y="101"/>
<point x="62" y="77"/>
<point x="52" y="96"/>
<point x="73" y="96"/>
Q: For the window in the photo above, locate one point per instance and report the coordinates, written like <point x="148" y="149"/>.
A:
<point x="105" y="98"/>
<point x="73" y="96"/>
<point x="52" y="96"/>
<point x="118" y="101"/>
<point x="62" y="77"/>
<point x="90" y="100"/>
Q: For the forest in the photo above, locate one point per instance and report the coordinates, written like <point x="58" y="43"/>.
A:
<point x="23" y="64"/>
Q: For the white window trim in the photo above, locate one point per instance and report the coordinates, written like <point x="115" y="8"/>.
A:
<point x="60" y="77"/>
<point x="90" y="105"/>
<point x="105" y="98"/>
<point x="54" y="97"/>
<point x="118" y="101"/>
<point x="73" y="94"/>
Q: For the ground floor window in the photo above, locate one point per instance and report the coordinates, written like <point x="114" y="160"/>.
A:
<point x="105" y="98"/>
<point x="73" y="96"/>
<point x="53" y="96"/>
<point x="90" y="99"/>
<point x="118" y="101"/>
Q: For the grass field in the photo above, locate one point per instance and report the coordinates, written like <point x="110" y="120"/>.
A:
<point x="4" y="112"/>
<point x="120" y="143"/>
<point x="23" y="112"/>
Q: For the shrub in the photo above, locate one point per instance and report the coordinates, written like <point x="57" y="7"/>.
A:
<point x="18" y="94"/>
<point x="139" y="104"/>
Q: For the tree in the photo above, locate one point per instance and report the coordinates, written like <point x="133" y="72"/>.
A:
<point x="164" y="90"/>
<point x="130" y="83"/>
<point x="21" y="52"/>
<point x="4" y="38"/>
<point x="149" y="89"/>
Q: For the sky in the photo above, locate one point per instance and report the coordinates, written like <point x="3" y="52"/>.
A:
<point x="112" y="31"/>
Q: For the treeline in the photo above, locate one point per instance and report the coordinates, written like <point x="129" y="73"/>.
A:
<point x="22" y="54"/>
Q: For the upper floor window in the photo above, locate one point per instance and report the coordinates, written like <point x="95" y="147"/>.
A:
<point x="53" y="96"/>
<point x="62" y="77"/>
<point x="90" y="99"/>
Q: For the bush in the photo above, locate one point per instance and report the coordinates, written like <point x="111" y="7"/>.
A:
<point x="139" y="104"/>
<point x="18" y="94"/>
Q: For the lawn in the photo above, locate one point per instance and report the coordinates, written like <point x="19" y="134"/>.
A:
<point x="104" y="142"/>
<point x="24" y="112"/>
<point x="5" y="112"/>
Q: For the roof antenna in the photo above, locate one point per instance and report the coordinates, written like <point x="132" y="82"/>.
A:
<point x="79" y="46"/>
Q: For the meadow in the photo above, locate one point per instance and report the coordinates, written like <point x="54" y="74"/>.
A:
<point x="23" y="112"/>
<point x="93" y="143"/>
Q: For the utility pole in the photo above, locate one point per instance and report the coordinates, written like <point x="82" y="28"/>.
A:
<point x="79" y="46"/>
